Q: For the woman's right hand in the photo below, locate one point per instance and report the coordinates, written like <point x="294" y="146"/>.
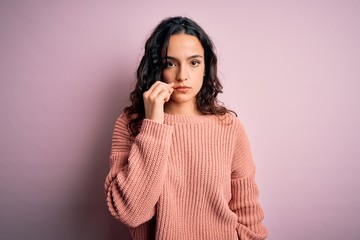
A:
<point x="154" y="100"/>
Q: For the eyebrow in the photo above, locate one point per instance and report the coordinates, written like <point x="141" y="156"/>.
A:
<point x="188" y="58"/>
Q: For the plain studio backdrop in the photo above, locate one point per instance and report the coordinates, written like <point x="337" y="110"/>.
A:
<point x="290" y="69"/>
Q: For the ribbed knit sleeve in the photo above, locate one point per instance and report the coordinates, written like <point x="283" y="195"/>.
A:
<point x="244" y="200"/>
<point x="137" y="171"/>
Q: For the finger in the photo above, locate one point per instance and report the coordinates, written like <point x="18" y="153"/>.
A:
<point x="171" y="85"/>
<point x="171" y="91"/>
<point x="167" y="98"/>
<point x="154" y="91"/>
<point x="154" y="95"/>
<point x="164" y="95"/>
<point x="155" y="84"/>
<point x="168" y="85"/>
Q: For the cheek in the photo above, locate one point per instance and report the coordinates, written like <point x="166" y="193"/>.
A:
<point x="199" y="72"/>
<point x="199" y="76"/>
<point x="167" y="77"/>
<point x="199" y="84"/>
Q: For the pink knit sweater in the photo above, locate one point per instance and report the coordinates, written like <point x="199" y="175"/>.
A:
<point x="191" y="178"/>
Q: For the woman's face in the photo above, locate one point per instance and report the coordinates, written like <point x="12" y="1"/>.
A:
<point x="185" y="66"/>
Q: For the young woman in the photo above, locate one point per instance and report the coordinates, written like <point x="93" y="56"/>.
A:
<point x="180" y="164"/>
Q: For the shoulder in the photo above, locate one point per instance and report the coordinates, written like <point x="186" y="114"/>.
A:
<point x="230" y="119"/>
<point x="121" y="139"/>
<point x="121" y="125"/>
<point x="122" y="121"/>
<point x="235" y="126"/>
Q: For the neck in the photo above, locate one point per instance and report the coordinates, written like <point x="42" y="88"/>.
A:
<point x="188" y="108"/>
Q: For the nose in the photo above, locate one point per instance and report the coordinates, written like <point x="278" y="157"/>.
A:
<point x="182" y="74"/>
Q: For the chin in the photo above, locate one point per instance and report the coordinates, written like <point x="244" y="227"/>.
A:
<point x="182" y="99"/>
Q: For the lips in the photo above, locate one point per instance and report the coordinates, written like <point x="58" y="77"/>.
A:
<point x="182" y="87"/>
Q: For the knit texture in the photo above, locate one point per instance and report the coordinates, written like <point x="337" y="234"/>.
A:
<point x="191" y="178"/>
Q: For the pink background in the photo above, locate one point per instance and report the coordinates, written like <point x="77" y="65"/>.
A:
<point x="290" y="69"/>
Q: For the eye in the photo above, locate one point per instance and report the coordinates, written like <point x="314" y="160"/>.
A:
<point x="169" y="64"/>
<point x="195" y="63"/>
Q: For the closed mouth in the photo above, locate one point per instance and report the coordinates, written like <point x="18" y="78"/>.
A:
<point x="182" y="87"/>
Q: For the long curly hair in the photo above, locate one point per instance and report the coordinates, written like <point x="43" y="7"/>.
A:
<point x="152" y="64"/>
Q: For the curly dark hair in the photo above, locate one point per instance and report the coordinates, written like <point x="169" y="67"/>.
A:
<point x="152" y="65"/>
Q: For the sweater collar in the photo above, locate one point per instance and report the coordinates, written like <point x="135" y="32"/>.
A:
<point x="188" y="118"/>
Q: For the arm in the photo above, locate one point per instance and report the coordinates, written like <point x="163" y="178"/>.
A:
<point x="244" y="200"/>
<point x="137" y="171"/>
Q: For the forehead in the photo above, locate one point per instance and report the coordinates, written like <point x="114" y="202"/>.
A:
<point x="184" y="45"/>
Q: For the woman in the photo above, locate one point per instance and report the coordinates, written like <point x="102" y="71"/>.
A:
<point x="181" y="166"/>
